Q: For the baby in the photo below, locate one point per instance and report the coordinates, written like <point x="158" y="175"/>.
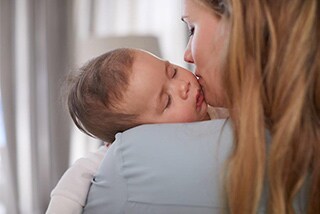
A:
<point x="126" y="87"/>
<point x="116" y="91"/>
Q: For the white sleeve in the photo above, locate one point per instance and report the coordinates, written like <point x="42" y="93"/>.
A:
<point x="70" y="194"/>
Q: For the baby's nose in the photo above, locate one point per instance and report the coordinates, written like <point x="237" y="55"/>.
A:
<point x="183" y="88"/>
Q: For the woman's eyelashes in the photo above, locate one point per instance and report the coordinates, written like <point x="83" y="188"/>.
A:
<point x="191" y="31"/>
<point x="190" y="28"/>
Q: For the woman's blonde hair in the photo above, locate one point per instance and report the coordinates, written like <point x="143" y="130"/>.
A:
<point x="273" y="83"/>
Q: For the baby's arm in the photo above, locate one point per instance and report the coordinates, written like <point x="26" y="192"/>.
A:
<point x="70" y="194"/>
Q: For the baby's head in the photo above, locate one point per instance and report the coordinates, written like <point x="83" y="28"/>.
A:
<point x="97" y="90"/>
<point x="126" y="87"/>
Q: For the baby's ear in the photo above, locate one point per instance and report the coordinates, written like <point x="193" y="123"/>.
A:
<point x="218" y="113"/>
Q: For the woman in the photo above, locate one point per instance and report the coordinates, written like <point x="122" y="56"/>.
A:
<point x="272" y="82"/>
<point x="261" y="60"/>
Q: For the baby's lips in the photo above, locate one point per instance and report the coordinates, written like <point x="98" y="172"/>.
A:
<point x="199" y="98"/>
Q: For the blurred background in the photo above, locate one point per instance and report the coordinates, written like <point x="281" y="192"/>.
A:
<point x="40" y="42"/>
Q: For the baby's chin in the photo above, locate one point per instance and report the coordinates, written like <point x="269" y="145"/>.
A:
<point x="204" y="114"/>
<point x="205" y="117"/>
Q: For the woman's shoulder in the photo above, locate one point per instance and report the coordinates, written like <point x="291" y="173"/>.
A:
<point x="166" y="168"/>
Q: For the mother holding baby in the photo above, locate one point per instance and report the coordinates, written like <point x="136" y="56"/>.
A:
<point x="261" y="60"/>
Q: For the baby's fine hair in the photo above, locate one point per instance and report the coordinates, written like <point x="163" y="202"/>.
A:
<point x="95" y="92"/>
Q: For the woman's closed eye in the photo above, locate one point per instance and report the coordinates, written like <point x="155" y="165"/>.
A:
<point x="191" y="31"/>
<point x="190" y="28"/>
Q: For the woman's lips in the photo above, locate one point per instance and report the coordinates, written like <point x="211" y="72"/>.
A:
<point x="200" y="81"/>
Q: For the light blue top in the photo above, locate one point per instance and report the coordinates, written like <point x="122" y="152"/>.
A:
<point x="165" y="169"/>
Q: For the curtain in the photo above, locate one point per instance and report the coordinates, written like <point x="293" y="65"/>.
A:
<point x="142" y="17"/>
<point x="9" y="169"/>
<point x="35" y="40"/>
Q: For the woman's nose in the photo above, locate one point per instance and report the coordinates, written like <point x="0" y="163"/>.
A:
<point x="188" y="54"/>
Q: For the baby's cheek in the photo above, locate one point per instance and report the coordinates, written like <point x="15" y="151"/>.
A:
<point x="187" y="115"/>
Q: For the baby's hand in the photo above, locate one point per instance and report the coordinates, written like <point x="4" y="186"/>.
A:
<point x="218" y="113"/>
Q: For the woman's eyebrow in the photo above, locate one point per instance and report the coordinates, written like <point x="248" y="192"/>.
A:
<point x="183" y="18"/>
